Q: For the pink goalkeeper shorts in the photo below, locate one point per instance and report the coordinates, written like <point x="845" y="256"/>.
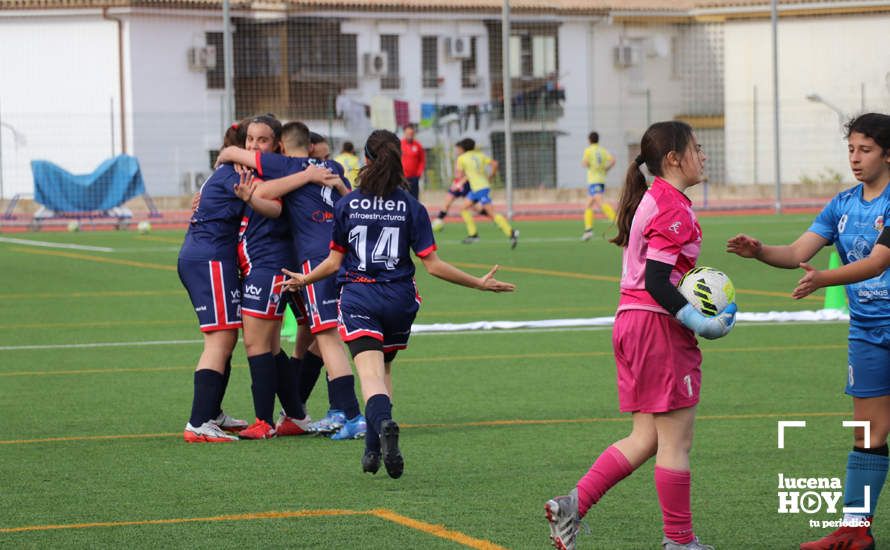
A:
<point x="658" y="361"/>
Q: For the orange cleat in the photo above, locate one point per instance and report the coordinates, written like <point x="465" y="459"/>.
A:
<point x="258" y="430"/>
<point x="845" y="538"/>
<point x="287" y="425"/>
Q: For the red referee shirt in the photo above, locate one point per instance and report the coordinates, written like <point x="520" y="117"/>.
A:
<point x="413" y="158"/>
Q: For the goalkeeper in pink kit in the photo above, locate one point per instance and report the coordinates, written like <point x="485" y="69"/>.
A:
<point x="656" y="352"/>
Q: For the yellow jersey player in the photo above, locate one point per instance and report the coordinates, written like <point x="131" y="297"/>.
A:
<point x="349" y="162"/>
<point x="473" y="166"/>
<point x="598" y="161"/>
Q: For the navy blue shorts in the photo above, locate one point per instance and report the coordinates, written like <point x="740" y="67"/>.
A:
<point x="259" y="295"/>
<point x="320" y="299"/>
<point x="215" y="291"/>
<point x="383" y="311"/>
<point x="459" y="191"/>
<point x="868" y="354"/>
<point x="297" y="307"/>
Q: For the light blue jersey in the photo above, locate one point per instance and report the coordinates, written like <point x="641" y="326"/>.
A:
<point x="853" y="225"/>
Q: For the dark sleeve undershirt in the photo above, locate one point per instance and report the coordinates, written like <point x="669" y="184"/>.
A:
<point x="884" y="237"/>
<point x="658" y="285"/>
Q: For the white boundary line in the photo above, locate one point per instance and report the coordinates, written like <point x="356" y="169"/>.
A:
<point x="513" y="327"/>
<point x="102" y="345"/>
<point x="47" y="244"/>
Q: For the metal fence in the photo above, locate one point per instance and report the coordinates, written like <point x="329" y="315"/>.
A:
<point x="155" y="88"/>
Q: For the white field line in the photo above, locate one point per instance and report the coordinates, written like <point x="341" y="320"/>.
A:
<point x="47" y="244"/>
<point x="746" y="319"/>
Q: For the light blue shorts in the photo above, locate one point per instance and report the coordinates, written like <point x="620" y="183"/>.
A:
<point x="868" y="371"/>
<point x="596" y="189"/>
<point x="480" y="196"/>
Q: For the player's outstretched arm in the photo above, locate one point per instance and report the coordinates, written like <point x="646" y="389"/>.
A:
<point x="866" y="268"/>
<point x="325" y="269"/>
<point x="277" y="188"/>
<point x="786" y="256"/>
<point x="441" y="269"/>
<point x="237" y="155"/>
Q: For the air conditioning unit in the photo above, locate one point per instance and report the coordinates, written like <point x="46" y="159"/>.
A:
<point x="202" y="59"/>
<point x="376" y="64"/>
<point x="458" y="47"/>
<point x="625" y="55"/>
<point x="192" y="181"/>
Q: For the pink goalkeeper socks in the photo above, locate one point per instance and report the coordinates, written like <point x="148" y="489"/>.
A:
<point x="610" y="468"/>
<point x="673" y="488"/>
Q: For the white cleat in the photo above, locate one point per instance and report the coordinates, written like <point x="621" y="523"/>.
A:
<point x="207" y="432"/>
<point x="562" y="515"/>
<point x="229" y="423"/>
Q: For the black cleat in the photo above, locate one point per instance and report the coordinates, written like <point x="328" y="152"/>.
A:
<point x="389" y="448"/>
<point x="371" y="462"/>
<point x="514" y="239"/>
<point x="470" y="239"/>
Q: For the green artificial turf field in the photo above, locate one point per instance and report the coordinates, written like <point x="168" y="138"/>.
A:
<point x="494" y="423"/>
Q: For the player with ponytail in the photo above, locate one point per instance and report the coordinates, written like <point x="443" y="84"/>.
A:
<point x="656" y="353"/>
<point x="375" y="228"/>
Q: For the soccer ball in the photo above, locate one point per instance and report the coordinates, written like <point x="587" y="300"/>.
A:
<point x="73" y="226"/>
<point x="708" y="290"/>
<point x="144" y="227"/>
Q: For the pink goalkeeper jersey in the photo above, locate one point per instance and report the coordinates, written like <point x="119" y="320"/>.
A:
<point x="664" y="229"/>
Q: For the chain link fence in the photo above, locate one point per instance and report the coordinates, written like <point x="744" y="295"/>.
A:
<point x="155" y="86"/>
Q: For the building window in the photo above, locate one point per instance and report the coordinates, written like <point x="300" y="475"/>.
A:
<point x="532" y="56"/>
<point x="543" y="56"/>
<point x="318" y="52"/>
<point x="257" y="55"/>
<point x="216" y="77"/>
<point x="429" y="61"/>
<point x="389" y="44"/>
<point x="469" y="74"/>
<point x="294" y="68"/>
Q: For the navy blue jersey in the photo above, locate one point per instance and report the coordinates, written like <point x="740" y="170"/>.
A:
<point x="265" y="242"/>
<point x="376" y="234"/>
<point x="854" y="225"/>
<point x="213" y="229"/>
<point x="310" y="209"/>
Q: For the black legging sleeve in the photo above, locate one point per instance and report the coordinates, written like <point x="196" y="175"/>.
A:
<point x="658" y="285"/>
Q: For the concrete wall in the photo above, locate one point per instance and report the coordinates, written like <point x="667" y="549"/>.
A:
<point x="58" y="93"/>
<point x="610" y="99"/>
<point x="176" y="120"/>
<point x="829" y="56"/>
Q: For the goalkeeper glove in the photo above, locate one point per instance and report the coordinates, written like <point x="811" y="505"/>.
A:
<point x="708" y="327"/>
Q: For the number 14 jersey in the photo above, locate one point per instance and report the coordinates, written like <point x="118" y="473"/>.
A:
<point x="376" y="233"/>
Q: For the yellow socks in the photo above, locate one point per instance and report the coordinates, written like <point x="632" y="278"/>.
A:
<point x="588" y="219"/>
<point x="468" y="219"/>
<point x="608" y="211"/>
<point x="503" y="224"/>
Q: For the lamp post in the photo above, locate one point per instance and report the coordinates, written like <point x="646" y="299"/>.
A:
<point x="841" y="115"/>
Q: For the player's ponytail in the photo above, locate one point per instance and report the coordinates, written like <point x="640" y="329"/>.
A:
<point x="382" y="173"/>
<point x="236" y="134"/>
<point x="660" y="139"/>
